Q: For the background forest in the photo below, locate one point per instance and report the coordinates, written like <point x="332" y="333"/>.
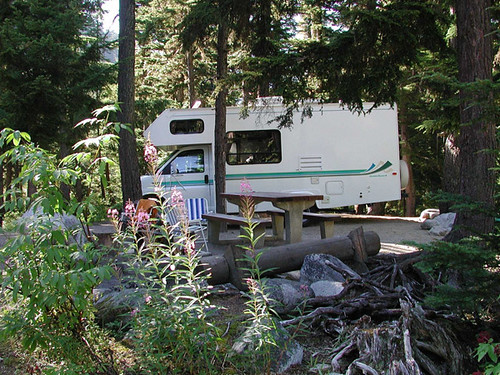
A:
<point x="401" y="52"/>
<point x="437" y="61"/>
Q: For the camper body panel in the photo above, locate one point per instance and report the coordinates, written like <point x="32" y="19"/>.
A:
<point x="348" y="158"/>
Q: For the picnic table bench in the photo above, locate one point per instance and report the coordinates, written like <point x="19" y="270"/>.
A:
<point x="214" y="221"/>
<point x="326" y="222"/>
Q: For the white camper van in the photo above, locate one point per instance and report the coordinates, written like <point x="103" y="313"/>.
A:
<point x="348" y="158"/>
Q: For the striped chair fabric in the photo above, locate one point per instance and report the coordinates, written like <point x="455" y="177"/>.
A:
<point x="195" y="208"/>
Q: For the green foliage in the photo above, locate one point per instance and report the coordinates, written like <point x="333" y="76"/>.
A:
<point x="50" y="66"/>
<point x="466" y="273"/>
<point x="50" y="270"/>
<point x="487" y="353"/>
<point x="360" y="54"/>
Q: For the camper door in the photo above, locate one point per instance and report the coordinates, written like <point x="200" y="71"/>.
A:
<point x="189" y="171"/>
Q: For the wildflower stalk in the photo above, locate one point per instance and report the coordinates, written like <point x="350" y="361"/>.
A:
<point x="260" y="322"/>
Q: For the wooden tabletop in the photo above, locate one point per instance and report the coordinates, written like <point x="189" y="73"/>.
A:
<point x="274" y="196"/>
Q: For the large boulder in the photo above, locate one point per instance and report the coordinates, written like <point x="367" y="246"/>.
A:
<point x="441" y="225"/>
<point x="318" y="267"/>
<point x="327" y="288"/>
<point x="33" y="218"/>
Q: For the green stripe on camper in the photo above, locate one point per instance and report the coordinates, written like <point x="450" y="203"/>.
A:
<point x="374" y="168"/>
<point x="347" y="172"/>
<point x="182" y="183"/>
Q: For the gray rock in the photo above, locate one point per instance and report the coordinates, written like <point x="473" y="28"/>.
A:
<point x="291" y="275"/>
<point x="441" y="225"/>
<point x="32" y="219"/>
<point x="427" y="224"/>
<point x="439" y="231"/>
<point x="326" y="288"/>
<point x="286" y="295"/>
<point x="315" y="268"/>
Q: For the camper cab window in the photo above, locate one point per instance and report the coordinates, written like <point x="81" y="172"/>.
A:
<point x="254" y="147"/>
<point x="189" y="126"/>
<point x="189" y="161"/>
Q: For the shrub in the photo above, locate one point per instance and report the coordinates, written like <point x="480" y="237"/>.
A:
<point x="49" y="272"/>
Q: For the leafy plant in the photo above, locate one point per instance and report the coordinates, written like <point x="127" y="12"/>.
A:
<point x="51" y="267"/>
<point x="488" y="352"/>
<point x="465" y="272"/>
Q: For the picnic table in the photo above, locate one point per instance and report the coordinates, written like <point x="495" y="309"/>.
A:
<point x="292" y="203"/>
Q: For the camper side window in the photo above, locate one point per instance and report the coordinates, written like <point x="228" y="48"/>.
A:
<point x="189" y="161"/>
<point x="190" y="126"/>
<point x="254" y="147"/>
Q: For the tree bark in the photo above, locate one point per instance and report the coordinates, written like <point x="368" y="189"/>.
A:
<point x="477" y="132"/>
<point x="220" y="117"/>
<point x="377" y="209"/>
<point x="406" y="152"/>
<point x="191" y="76"/>
<point x="263" y="45"/>
<point x="129" y="163"/>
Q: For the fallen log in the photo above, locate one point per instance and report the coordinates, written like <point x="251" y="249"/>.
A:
<point x="275" y="260"/>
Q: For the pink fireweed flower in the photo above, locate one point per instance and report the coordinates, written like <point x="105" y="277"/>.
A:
<point x="252" y="284"/>
<point x="176" y="198"/>
<point x="113" y="214"/>
<point x="134" y="312"/>
<point x="129" y="208"/>
<point x="245" y="187"/>
<point x="147" y="299"/>
<point x="150" y="153"/>
<point x="142" y="218"/>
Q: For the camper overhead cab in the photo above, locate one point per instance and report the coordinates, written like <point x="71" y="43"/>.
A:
<point x="348" y="158"/>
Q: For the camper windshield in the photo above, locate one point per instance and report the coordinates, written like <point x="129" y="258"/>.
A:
<point x="189" y="161"/>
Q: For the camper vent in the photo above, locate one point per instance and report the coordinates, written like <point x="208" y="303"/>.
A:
<point x="310" y="163"/>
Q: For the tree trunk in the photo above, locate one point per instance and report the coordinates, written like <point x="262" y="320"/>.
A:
<point x="377" y="209"/>
<point x="263" y="45"/>
<point x="477" y="133"/>
<point x="220" y="118"/>
<point x="190" y="73"/>
<point x="406" y="151"/>
<point x="129" y="164"/>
